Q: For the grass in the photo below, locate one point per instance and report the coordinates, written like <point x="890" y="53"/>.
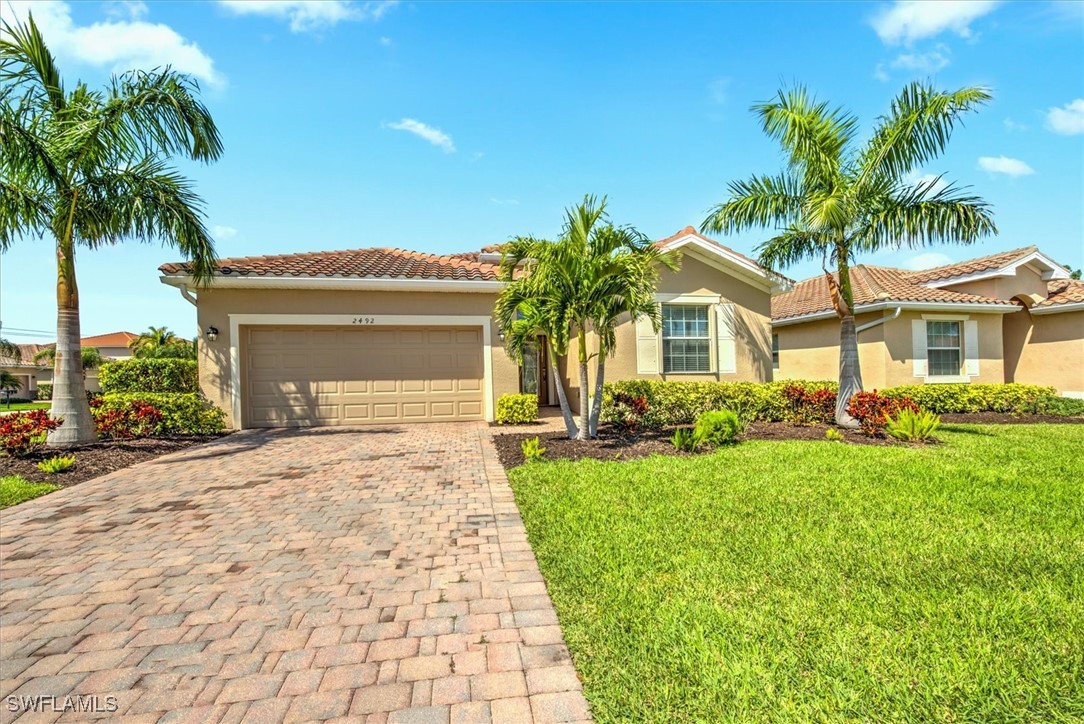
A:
<point x="15" y="490"/>
<point x="21" y="406"/>
<point x="808" y="581"/>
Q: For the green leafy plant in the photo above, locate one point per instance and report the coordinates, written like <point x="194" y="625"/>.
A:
<point x="833" y="435"/>
<point x="912" y="425"/>
<point x="719" y="427"/>
<point x="181" y="414"/>
<point x="627" y="412"/>
<point x="149" y="375"/>
<point x="532" y="450"/>
<point x="45" y="391"/>
<point x="687" y="439"/>
<point x="517" y="409"/>
<point x="57" y="464"/>
<point x="1055" y="405"/>
<point x="968" y="398"/>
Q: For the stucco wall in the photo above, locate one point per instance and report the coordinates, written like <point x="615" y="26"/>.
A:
<point x="1054" y="352"/>
<point x="1025" y="281"/>
<point x="215" y="306"/>
<point x="899" y="364"/>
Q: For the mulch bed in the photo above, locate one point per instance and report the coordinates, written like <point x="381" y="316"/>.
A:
<point x="609" y="445"/>
<point x="97" y="459"/>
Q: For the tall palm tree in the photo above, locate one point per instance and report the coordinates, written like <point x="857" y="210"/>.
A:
<point x="90" y="167"/>
<point x="152" y="340"/>
<point x="587" y="280"/>
<point x="835" y="200"/>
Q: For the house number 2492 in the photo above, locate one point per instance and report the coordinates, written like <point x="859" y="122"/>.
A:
<point x="364" y="320"/>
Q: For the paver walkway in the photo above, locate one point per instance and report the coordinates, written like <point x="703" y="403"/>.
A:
<point x="377" y="574"/>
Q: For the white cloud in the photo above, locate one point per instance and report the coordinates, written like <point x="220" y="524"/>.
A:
<point x="929" y="260"/>
<point x="305" y="15"/>
<point x="434" y="136"/>
<point x="879" y="73"/>
<point x="126" y="9"/>
<point x="1011" y="125"/>
<point x="222" y="233"/>
<point x="1067" y="120"/>
<point x="1003" y="164"/>
<point x="928" y="63"/>
<point x="385" y="41"/>
<point x="906" y="21"/>
<point x="123" y="42"/>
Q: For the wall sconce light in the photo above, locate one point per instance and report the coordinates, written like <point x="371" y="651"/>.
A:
<point x="500" y="333"/>
<point x="212" y="334"/>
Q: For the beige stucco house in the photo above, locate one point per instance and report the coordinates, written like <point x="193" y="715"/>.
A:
<point x="111" y="346"/>
<point x="387" y="335"/>
<point x="28" y="372"/>
<point x="1015" y="316"/>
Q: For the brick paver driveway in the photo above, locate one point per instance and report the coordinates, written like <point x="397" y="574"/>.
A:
<point x="377" y="574"/>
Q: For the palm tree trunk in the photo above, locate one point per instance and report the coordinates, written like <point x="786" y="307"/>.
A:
<point x="850" y="373"/>
<point x="584" y="433"/>
<point x="596" y="400"/>
<point x="69" y="388"/>
<point x="566" y="411"/>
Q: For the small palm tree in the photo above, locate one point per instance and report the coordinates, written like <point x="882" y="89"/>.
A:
<point x="149" y="342"/>
<point x="90" y="358"/>
<point x="835" y="200"/>
<point x="10" y="350"/>
<point x="90" y="167"/>
<point x="9" y="385"/>
<point x="592" y="278"/>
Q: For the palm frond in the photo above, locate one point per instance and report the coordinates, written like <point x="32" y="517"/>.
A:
<point x="759" y="202"/>
<point x="793" y="245"/>
<point x="815" y="137"/>
<point x="25" y="58"/>
<point x="919" y="216"/>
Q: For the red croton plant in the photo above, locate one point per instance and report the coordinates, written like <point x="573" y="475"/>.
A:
<point x="24" y="432"/>
<point x="130" y="420"/>
<point x="872" y="410"/>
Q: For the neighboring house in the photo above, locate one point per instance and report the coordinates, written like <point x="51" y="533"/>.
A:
<point x="387" y="335"/>
<point x="111" y="346"/>
<point x="1009" y="317"/>
<point x="26" y="370"/>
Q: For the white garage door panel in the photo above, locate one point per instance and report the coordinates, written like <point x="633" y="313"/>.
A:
<point x="349" y="375"/>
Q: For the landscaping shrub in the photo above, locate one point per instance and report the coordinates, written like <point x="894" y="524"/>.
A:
<point x="833" y="435"/>
<point x="719" y="427"/>
<point x="517" y="409"/>
<point x="912" y="425"/>
<point x="628" y="412"/>
<point x="57" y="464"/>
<point x="187" y="414"/>
<point x="873" y="409"/>
<point x="125" y="419"/>
<point x="810" y="405"/>
<point x="22" y="433"/>
<point x="149" y="375"/>
<point x="45" y="391"/>
<point x="968" y="398"/>
<point x="687" y="439"/>
<point x="1055" y="405"/>
<point x="671" y="403"/>
<point x="532" y="450"/>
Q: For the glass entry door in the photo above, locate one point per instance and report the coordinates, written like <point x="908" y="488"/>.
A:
<point x="534" y="372"/>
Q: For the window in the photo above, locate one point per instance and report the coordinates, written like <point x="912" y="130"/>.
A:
<point x="944" y="345"/>
<point x="685" y="338"/>
<point x="775" y="351"/>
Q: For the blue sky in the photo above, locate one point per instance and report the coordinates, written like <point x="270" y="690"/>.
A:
<point x="443" y="127"/>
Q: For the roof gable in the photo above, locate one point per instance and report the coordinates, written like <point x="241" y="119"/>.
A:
<point x="690" y="239"/>
<point x="1001" y="264"/>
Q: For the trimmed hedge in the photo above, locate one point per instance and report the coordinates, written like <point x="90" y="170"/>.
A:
<point x="964" y="397"/>
<point x="149" y="375"/>
<point x="681" y="403"/>
<point x="517" y="409"/>
<point x="45" y="391"/>
<point x="182" y="414"/>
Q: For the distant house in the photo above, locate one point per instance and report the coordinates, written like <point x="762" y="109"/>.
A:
<point x="1015" y="316"/>
<point x="111" y="346"/>
<point x="26" y="370"/>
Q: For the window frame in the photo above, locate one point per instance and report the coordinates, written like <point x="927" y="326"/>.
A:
<point x="960" y="348"/>
<point x="708" y="338"/>
<point x="775" y="351"/>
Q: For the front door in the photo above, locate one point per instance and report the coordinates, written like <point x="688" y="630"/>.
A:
<point x="534" y="374"/>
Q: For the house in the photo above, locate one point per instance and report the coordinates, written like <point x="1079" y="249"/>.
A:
<point x="28" y="372"/>
<point x="388" y="335"/>
<point x="1015" y="316"/>
<point x="111" y="346"/>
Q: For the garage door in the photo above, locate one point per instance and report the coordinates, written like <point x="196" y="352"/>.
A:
<point x="361" y="375"/>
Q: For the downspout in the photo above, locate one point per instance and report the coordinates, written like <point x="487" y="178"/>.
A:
<point x="187" y="295"/>
<point x="874" y="323"/>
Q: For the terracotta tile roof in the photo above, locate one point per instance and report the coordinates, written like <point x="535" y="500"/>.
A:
<point x="871" y="284"/>
<point x="690" y="231"/>
<point x="113" y="339"/>
<point x="971" y="266"/>
<point x="358" y="263"/>
<point x="26" y="356"/>
<point x="1062" y="291"/>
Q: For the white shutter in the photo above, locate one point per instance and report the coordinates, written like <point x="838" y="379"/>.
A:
<point x="918" y="346"/>
<point x="725" y="338"/>
<point x="647" y="347"/>
<point x="971" y="348"/>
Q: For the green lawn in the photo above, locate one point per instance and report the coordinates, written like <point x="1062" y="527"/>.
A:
<point x="24" y="406"/>
<point x="813" y="581"/>
<point x="15" y="490"/>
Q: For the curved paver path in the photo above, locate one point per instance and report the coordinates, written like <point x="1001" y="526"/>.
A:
<point x="377" y="574"/>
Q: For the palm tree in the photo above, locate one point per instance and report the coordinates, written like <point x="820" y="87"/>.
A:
<point x="835" y="200"/>
<point x="10" y="350"/>
<point x="149" y="342"/>
<point x="9" y="384"/>
<point x="589" y="280"/>
<point x="89" y="358"/>
<point x="90" y="167"/>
